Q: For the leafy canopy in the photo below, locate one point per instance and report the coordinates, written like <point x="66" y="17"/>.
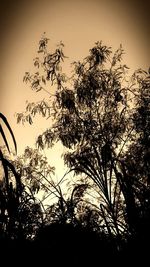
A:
<point x="100" y="114"/>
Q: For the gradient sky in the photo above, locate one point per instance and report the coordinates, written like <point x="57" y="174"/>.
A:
<point x="78" y="24"/>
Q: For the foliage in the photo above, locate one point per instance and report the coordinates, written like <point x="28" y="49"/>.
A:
<point x="20" y="213"/>
<point x="34" y="170"/>
<point x="101" y="115"/>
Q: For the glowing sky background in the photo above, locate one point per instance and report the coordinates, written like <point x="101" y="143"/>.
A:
<point x="79" y="24"/>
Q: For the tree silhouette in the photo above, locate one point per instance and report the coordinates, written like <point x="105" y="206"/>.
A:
<point x="101" y="116"/>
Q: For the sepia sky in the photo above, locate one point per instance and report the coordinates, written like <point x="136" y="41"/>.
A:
<point x="79" y="24"/>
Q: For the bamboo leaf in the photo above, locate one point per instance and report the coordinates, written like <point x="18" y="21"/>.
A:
<point x="10" y="130"/>
<point x="4" y="138"/>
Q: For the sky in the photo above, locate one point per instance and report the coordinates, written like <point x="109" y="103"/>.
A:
<point x="79" y="24"/>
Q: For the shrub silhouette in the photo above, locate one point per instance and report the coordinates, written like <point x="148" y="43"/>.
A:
<point x="20" y="213"/>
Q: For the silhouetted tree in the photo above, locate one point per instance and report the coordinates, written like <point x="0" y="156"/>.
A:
<point x="101" y="116"/>
<point x="137" y="157"/>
